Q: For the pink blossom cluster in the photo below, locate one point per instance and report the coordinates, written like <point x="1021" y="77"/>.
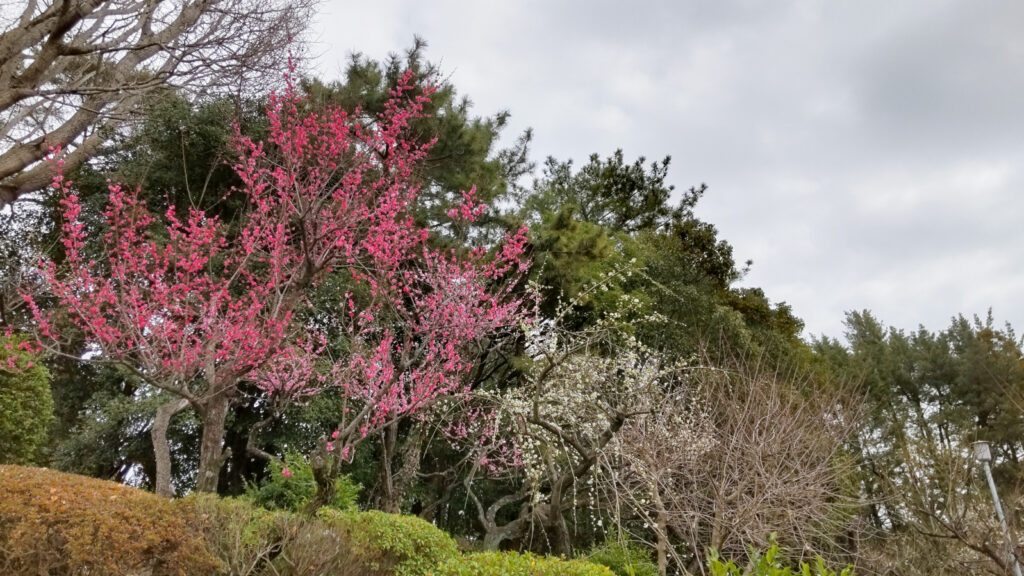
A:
<point x="483" y="430"/>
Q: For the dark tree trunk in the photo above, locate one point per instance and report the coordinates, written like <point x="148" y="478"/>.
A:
<point x="395" y="485"/>
<point x="563" y="540"/>
<point x="211" y="449"/>
<point x="385" y="499"/>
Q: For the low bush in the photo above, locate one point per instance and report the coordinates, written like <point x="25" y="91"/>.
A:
<point x="63" y="524"/>
<point x="58" y="524"/>
<point x="767" y="564"/>
<point x="518" y="564"/>
<point x="241" y="535"/>
<point x="291" y="492"/>
<point x="252" y="541"/>
<point x="624" y="559"/>
<point x="392" y="544"/>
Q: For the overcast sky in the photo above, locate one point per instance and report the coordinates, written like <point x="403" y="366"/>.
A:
<point x="863" y="154"/>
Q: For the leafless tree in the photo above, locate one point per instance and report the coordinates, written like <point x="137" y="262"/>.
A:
<point x="72" y="70"/>
<point x="742" y="455"/>
<point x="945" y="524"/>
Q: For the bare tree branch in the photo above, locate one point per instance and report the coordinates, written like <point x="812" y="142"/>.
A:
<point x="71" y="67"/>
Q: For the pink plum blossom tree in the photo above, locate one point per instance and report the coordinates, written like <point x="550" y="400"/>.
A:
<point x="197" y="308"/>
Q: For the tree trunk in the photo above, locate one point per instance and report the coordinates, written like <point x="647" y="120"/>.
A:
<point x="396" y="484"/>
<point x="211" y="450"/>
<point x="385" y="499"/>
<point x="161" y="450"/>
<point x="494" y="535"/>
<point x="324" y="467"/>
<point x="563" y="540"/>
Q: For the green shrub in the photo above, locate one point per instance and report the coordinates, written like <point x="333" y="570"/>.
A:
<point x="66" y="525"/>
<point x="252" y="541"/>
<point x="518" y="564"/>
<point x="767" y="564"/>
<point x="26" y="403"/>
<point x="243" y="536"/>
<point x="392" y="544"/>
<point x="624" y="559"/>
<point x="62" y="524"/>
<point x="280" y="492"/>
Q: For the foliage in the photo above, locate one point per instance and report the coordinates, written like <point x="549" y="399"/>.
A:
<point x="62" y="524"/>
<point x="518" y="564"/>
<point x="624" y="558"/>
<point x="589" y="221"/>
<point x="109" y="437"/>
<point x="767" y="563"/>
<point x="465" y="154"/>
<point x="26" y="402"/>
<point x="56" y="523"/>
<point x="609" y="193"/>
<point x="929" y="396"/>
<point x="293" y="490"/>
<point x="242" y="536"/>
<point x="252" y="541"/>
<point x="392" y="543"/>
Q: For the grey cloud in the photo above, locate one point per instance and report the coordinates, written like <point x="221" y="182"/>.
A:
<point x="865" y="154"/>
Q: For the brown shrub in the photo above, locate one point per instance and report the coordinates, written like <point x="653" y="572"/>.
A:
<point x="53" y="523"/>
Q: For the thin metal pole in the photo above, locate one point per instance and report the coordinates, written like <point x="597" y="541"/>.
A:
<point x="1002" y="519"/>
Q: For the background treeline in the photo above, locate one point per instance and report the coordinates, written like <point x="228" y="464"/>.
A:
<point x="659" y="409"/>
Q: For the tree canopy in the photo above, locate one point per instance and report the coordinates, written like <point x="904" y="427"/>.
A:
<point x="362" y="292"/>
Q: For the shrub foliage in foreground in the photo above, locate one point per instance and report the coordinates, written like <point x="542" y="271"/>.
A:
<point x="252" y="541"/>
<point x="623" y="558"/>
<point x="66" y="525"/>
<point x="293" y="492"/>
<point x="767" y="564"/>
<point x="392" y="544"/>
<point x="56" y="523"/>
<point x="517" y="564"/>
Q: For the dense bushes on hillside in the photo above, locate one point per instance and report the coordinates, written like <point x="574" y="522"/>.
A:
<point x="63" y="524"/>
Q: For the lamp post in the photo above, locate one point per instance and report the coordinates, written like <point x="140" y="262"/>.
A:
<point x="984" y="455"/>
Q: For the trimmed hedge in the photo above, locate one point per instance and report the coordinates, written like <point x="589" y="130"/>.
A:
<point x="61" y="524"/>
<point x="517" y="564"/>
<point x="392" y="544"/>
<point x="56" y="523"/>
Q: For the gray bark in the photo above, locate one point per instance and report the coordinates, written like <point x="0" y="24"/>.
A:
<point x="158" y="433"/>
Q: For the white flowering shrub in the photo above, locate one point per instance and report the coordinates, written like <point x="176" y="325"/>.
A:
<point x="580" y="388"/>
